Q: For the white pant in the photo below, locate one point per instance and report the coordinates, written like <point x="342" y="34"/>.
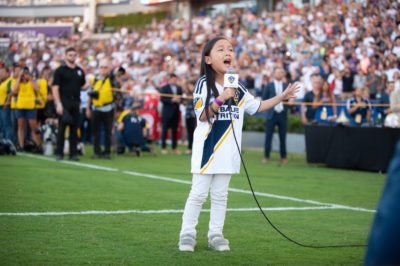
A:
<point x="218" y="185"/>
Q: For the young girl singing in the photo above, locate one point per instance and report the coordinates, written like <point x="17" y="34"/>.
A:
<point x="215" y="156"/>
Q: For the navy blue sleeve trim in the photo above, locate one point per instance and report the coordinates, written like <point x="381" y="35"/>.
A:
<point x="242" y="87"/>
<point x="199" y="85"/>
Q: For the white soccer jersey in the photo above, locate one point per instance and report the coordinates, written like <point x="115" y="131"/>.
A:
<point x="214" y="148"/>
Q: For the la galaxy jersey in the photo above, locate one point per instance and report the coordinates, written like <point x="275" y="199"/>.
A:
<point x="214" y="148"/>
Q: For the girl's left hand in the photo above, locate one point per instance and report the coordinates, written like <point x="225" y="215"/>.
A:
<point x="290" y="91"/>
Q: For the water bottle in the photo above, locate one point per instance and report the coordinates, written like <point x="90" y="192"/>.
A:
<point x="324" y="113"/>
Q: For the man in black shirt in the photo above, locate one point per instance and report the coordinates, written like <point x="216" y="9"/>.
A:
<point x="67" y="84"/>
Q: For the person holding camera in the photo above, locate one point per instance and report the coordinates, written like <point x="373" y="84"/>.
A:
<point x="101" y="110"/>
<point x="7" y="101"/>
<point x="25" y="90"/>
<point x="67" y="83"/>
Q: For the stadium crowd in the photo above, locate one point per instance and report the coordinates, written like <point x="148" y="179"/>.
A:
<point x="343" y="52"/>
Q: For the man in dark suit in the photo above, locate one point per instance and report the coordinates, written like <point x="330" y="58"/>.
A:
<point x="170" y="112"/>
<point x="276" y="116"/>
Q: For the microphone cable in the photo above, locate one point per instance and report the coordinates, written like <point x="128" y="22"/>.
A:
<point x="265" y="215"/>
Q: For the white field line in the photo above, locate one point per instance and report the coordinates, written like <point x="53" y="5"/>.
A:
<point x="159" y="211"/>
<point x="174" y="180"/>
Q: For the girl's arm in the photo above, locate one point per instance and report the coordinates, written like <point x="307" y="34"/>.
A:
<point x="286" y="95"/>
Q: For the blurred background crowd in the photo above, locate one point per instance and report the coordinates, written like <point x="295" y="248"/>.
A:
<point x="346" y="54"/>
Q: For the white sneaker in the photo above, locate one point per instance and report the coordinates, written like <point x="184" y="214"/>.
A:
<point x="218" y="243"/>
<point x="187" y="243"/>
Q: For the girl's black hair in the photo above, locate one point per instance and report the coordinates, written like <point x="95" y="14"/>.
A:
<point x="209" y="72"/>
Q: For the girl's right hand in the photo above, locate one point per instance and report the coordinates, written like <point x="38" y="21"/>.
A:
<point x="228" y="93"/>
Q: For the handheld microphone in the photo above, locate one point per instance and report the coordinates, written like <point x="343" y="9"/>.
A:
<point x="231" y="80"/>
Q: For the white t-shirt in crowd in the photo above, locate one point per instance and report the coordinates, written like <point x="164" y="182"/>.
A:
<point x="214" y="148"/>
<point x="390" y="73"/>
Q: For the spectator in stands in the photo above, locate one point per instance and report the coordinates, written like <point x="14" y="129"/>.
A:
<point x="328" y="101"/>
<point x="276" y="116"/>
<point x="372" y="81"/>
<point x="383" y="98"/>
<point x="25" y="89"/>
<point x="170" y="99"/>
<point x="396" y="46"/>
<point x="394" y="104"/>
<point x="340" y="43"/>
<point x="347" y="80"/>
<point x="311" y="100"/>
<point x="359" y="79"/>
<point x="382" y="82"/>
<point x="336" y="83"/>
<point x="359" y="108"/>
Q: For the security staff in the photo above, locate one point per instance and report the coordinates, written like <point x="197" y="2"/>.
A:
<point x="101" y="110"/>
<point x="67" y="83"/>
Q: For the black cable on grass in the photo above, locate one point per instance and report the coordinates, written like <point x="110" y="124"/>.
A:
<point x="265" y="215"/>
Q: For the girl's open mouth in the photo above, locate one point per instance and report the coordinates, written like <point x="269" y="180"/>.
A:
<point x="227" y="62"/>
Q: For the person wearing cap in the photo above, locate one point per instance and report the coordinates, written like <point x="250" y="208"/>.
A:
<point x="132" y="129"/>
<point x="25" y="89"/>
<point x="68" y="81"/>
<point x="101" y="110"/>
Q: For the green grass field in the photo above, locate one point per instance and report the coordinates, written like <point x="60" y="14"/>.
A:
<point x="44" y="218"/>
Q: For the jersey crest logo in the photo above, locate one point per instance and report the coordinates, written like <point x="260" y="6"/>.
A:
<point x="197" y="103"/>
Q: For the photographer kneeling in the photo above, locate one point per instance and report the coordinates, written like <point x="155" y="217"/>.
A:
<point x="101" y="110"/>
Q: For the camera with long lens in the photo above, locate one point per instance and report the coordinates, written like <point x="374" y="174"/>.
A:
<point x="25" y="70"/>
<point x="120" y="71"/>
<point x="93" y="94"/>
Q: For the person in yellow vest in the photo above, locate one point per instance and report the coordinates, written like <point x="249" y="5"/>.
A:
<point x="101" y="110"/>
<point x="24" y="90"/>
<point x="4" y="76"/>
<point x="41" y="95"/>
<point x="7" y="101"/>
